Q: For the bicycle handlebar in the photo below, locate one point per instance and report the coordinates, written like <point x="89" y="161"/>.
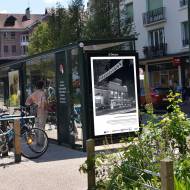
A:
<point x="2" y="115"/>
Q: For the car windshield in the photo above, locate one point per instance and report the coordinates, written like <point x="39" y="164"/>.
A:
<point x="162" y="91"/>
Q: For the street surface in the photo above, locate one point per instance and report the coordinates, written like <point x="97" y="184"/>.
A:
<point x="55" y="170"/>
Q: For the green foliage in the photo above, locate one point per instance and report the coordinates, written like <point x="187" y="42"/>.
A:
<point x="63" y="27"/>
<point x="40" y="39"/>
<point x="182" y="184"/>
<point x="161" y="137"/>
<point x="105" y="21"/>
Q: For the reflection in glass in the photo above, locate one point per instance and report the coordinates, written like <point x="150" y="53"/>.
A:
<point x="76" y="98"/>
<point x="43" y="68"/>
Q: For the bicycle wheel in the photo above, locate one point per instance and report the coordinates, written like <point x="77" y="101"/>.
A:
<point x="34" y="143"/>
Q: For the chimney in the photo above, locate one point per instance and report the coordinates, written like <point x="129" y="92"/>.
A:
<point x="27" y="13"/>
<point x="46" y="11"/>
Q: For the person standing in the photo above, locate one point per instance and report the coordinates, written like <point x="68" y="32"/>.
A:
<point x="38" y="98"/>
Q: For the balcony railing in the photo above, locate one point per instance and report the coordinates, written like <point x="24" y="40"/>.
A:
<point x="155" y="51"/>
<point x="183" y="3"/>
<point x="154" y="16"/>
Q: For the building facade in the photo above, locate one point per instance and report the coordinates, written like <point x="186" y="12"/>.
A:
<point x="14" y="33"/>
<point x="162" y="30"/>
<point x="163" y="40"/>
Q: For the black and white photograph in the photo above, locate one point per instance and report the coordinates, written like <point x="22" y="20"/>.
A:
<point x="114" y="93"/>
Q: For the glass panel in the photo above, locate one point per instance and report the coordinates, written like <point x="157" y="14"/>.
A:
<point x="76" y="97"/>
<point x="43" y="68"/>
<point x="156" y="37"/>
<point x="129" y="9"/>
<point x="161" y="36"/>
<point x="50" y="88"/>
<point x="154" y="4"/>
<point x="185" y="33"/>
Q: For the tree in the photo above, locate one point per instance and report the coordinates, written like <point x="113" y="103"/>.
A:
<point x="107" y="20"/>
<point x="40" y="39"/>
<point x="59" y="26"/>
<point x="76" y="10"/>
<point x="99" y="22"/>
<point x="63" y="27"/>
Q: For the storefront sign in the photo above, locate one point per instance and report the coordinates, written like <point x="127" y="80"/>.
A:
<point x="176" y="61"/>
<point x="114" y="94"/>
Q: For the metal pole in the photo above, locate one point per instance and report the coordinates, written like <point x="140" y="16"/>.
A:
<point x="118" y="17"/>
<point x="189" y="27"/>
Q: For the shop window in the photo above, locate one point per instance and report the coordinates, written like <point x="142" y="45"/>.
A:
<point x="185" y="33"/>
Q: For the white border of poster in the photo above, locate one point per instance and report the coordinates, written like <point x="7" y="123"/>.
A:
<point x="112" y="120"/>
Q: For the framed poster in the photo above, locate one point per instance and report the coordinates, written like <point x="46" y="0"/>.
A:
<point x="114" y="84"/>
<point x="14" y="89"/>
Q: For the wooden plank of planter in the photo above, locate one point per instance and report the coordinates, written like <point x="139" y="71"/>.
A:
<point x="90" y="145"/>
<point x="17" y="144"/>
<point x="167" y="174"/>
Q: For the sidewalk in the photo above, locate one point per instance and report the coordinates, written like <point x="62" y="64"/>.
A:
<point x="57" y="169"/>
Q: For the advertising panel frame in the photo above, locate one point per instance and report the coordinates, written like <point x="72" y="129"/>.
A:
<point x="91" y="110"/>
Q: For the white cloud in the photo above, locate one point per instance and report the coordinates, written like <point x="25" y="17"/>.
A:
<point x="3" y="11"/>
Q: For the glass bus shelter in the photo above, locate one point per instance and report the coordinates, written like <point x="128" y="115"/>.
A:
<point x="64" y="73"/>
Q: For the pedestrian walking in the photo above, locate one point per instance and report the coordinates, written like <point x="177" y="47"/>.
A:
<point x="38" y="102"/>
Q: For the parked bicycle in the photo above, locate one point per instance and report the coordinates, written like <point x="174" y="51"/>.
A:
<point x="34" y="141"/>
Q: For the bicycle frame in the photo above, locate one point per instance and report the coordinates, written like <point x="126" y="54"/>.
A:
<point x="7" y="135"/>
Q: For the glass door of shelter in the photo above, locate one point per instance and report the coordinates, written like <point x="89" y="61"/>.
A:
<point x="43" y="68"/>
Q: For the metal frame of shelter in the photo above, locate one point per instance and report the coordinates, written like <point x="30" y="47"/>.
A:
<point x="65" y="67"/>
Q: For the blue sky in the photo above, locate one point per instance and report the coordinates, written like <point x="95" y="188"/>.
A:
<point x="36" y="6"/>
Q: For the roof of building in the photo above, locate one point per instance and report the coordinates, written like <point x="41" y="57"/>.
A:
<point x="19" y="21"/>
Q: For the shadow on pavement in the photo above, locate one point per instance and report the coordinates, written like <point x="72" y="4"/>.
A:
<point x="54" y="153"/>
<point x="57" y="152"/>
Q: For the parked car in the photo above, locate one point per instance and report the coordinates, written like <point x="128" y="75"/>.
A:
<point x="158" y="98"/>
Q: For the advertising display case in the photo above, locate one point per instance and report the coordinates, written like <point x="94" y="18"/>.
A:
<point x="113" y="83"/>
<point x="87" y="97"/>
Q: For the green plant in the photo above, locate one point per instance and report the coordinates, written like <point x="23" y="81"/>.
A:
<point x="161" y="137"/>
<point x="182" y="184"/>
